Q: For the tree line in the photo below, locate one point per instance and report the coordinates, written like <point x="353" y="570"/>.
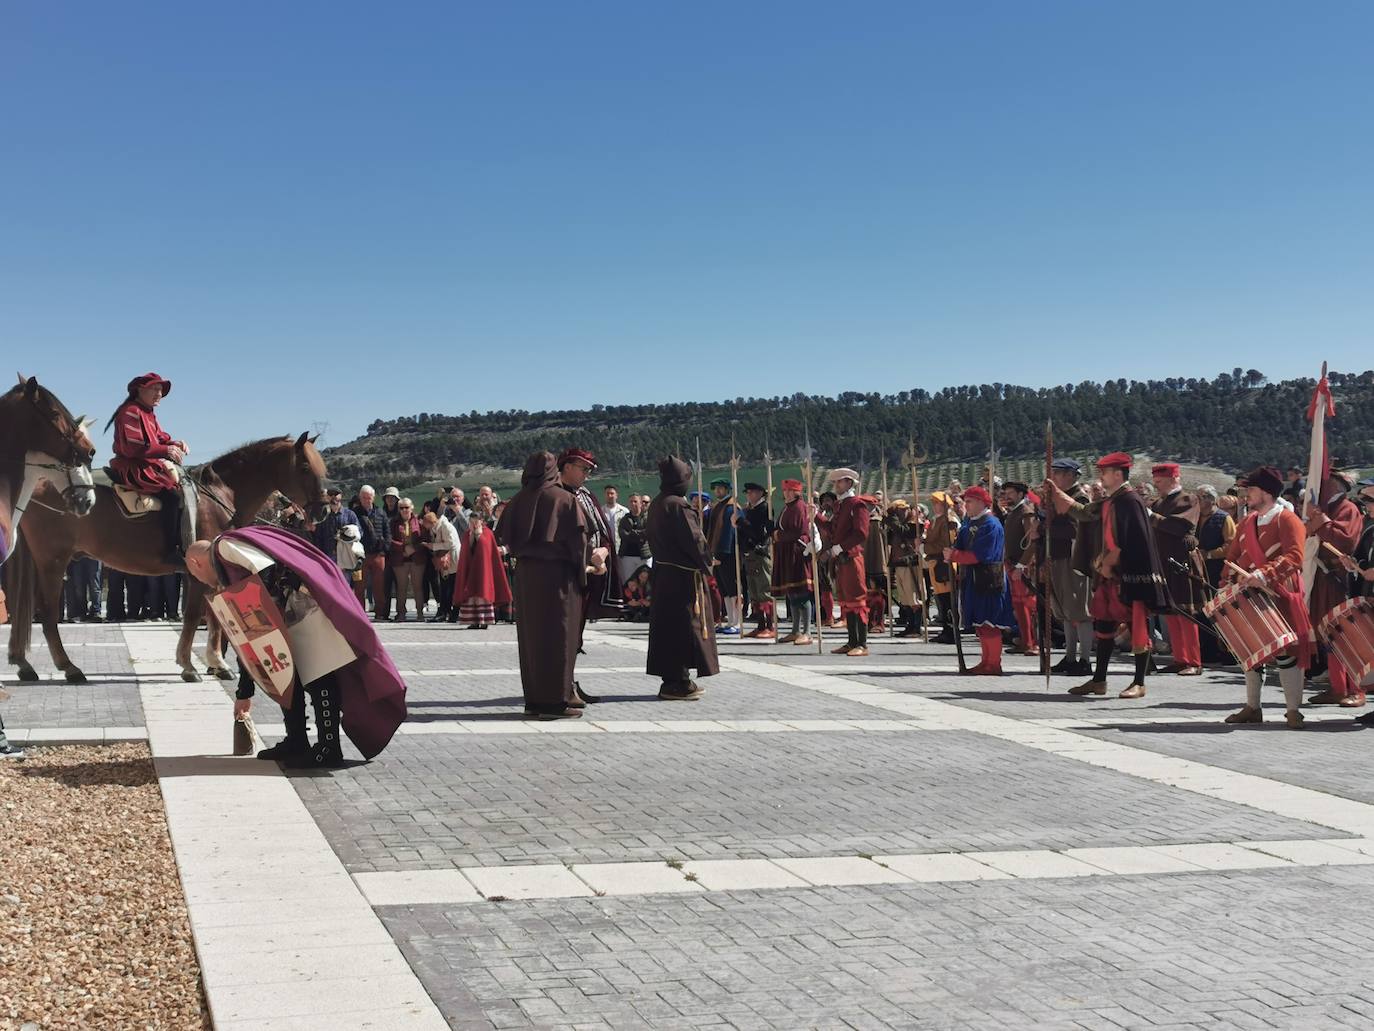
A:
<point x="1235" y="420"/>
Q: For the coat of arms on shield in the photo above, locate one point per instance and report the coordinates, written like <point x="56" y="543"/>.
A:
<point x="256" y="629"/>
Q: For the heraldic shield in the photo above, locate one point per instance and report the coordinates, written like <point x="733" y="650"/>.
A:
<point x="256" y="629"/>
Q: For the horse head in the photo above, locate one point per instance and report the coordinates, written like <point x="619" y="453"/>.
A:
<point x="308" y="477"/>
<point x="56" y="445"/>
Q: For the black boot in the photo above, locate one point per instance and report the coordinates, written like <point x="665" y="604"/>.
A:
<point x="945" y="608"/>
<point x="328" y="752"/>
<point x="296" y="743"/>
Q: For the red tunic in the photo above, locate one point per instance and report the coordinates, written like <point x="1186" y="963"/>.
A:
<point x="481" y="576"/>
<point x="140" y="445"/>
<point x="1276" y="550"/>
<point x="1342" y="533"/>
<point x="849" y="529"/>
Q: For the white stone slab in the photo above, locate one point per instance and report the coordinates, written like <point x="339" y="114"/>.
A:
<point x="1310" y="853"/>
<point x="326" y="1001"/>
<point x="634" y="878"/>
<point x="1131" y="860"/>
<point x="841" y="870"/>
<point x="581" y="725"/>
<point x="631" y="726"/>
<point x="1221" y="856"/>
<point x="416" y="887"/>
<point x="1037" y="863"/>
<point x="258" y="966"/>
<point x="692" y="726"/>
<point x="941" y="866"/>
<point x="540" y="881"/>
<point x="1365" y="846"/>
<point x="371" y="1020"/>
<point x="741" y="874"/>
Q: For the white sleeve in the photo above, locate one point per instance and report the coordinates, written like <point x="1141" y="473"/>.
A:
<point x="245" y="556"/>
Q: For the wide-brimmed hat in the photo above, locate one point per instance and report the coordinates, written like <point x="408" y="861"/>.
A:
<point x="392" y="492"/>
<point x="149" y="379"/>
<point x="842" y="474"/>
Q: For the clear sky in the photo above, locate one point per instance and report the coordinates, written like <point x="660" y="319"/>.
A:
<point x="332" y="211"/>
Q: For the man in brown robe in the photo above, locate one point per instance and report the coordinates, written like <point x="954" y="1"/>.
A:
<point x="681" y="630"/>
<point x="543" y="528"/>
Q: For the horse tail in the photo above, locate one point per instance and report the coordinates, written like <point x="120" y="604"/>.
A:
<point x="21" y="583"/>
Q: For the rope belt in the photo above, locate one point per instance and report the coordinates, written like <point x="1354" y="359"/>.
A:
<point x="699" y="600"/>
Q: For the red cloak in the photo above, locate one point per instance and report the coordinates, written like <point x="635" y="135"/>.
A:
<point x="140" y="445"/>
<point x="480" y="572"/>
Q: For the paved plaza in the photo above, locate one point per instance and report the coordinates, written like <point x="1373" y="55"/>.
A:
<point x="819" y="842"/>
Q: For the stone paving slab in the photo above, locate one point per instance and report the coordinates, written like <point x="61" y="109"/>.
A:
<point x="1203" y="951"/>
<point x="427" y="802"/>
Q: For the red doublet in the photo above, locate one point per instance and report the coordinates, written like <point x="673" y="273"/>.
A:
<point x="140" y="445"/>
<point x="1276" y="550"/>
<point x="849" y="529"/>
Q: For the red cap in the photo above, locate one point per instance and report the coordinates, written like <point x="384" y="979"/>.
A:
<point x="149" y="379"/>
<point x="576" y="454"/>
<point x="1169" y="469"/>
<point x="792" y="485"/>
<point x="1032" y="497"/>
<point x="980" y="493"/>
<point x="1116" y="460"/>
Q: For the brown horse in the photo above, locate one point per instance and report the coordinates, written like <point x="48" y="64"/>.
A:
<point x="233" y="489"/>
<point x="40" y="440"/>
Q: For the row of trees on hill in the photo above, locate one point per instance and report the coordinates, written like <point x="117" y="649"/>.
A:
<point x="1235" y="420"/>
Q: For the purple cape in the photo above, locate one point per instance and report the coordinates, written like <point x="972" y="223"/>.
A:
<point x="374" y="695"/>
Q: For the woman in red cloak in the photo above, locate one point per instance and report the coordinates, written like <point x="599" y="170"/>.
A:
<point x="481" y="583"/>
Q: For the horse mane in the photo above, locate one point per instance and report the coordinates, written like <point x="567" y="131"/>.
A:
<point x="17" y="391"/>
<point x="235" y="459"/>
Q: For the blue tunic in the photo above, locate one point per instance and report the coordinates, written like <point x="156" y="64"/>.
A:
<point x="983" y="536"/>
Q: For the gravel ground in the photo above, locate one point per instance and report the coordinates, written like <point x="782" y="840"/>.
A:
<point x="93" y="925"/>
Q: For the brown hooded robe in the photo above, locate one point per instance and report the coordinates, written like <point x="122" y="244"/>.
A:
<point x="545" y="532"/>
<point x="681" y="628"/>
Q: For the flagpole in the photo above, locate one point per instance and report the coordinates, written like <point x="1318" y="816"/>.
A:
<point x="1047" y="578"/>
<point x="813" y="534"/>
<point x="734" y="519"/>
<point x="1318" y="468"/>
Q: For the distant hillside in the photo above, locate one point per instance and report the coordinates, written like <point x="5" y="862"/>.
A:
<point x="1231" y="422"/>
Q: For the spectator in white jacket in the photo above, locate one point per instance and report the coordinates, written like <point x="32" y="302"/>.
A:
<point x="443" y="544"/>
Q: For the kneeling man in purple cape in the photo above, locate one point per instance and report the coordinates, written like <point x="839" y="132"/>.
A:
<point x="361" y="690"/>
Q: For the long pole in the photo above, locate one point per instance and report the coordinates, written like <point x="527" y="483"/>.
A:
<point x="891" y="577"/>
<point x="734" y="521"/>
<point x="1047" y="578"/>
<point x="812" y="531"/>
<point x="912" y="462"/>
<point x="1321" y="406"/>
<point x="772" y="544"/>
<point x="701" y="507"/>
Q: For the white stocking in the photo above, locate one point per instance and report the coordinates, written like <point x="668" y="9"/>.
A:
<point x="1291" y="679"/>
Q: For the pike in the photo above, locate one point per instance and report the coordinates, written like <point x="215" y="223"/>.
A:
<point x="1047" y="620"/>
<point x="734" y="522"/>
<point x="891" y="608"/>
<point x="912" y="462"/>
<point x="815" y="564"/>
<point x="772" y="537"/>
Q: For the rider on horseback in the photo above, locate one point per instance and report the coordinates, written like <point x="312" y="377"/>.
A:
<point x="148" y="460"/>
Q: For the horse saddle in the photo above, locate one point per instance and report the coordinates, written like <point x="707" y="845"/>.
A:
<point x="131" y="501"/>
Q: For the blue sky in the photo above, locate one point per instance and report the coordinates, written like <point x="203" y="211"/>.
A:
<point x="333" y="212"/>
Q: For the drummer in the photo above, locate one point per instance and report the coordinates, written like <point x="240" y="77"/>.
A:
<point x="1267" y="554"/>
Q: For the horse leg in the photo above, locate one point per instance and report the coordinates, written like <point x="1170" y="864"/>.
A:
<point x="214" y="649"/>
<point x="50" y="595"/>
<point x="191" y="604"/>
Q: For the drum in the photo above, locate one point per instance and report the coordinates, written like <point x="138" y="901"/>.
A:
<point x="1348" y="633"/>
<point x="1250" y="623"/>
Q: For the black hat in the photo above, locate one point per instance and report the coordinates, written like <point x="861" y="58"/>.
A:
<point x="1267" y="479"/>
<point x="756" y="486"/>
<point x="1020" y="488"/>
<point x="673" y="474"/>
<point x="334" y="492"/>
<point x="1067" y="465"/>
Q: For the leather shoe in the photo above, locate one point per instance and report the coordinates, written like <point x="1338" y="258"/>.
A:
<point x="857" y="653"/>
<point x="1324" y="698"/>
<point x="803" y="640"/>
<point x="841" y="650"/>
<point x="1355" y="700"/>
<point x="1134" y="691"/>
<point x="1091" y="687"/>
<point x="1245" y="715"/>
<point x="1294" y="720"/>
<point x="1189" y="671"/>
